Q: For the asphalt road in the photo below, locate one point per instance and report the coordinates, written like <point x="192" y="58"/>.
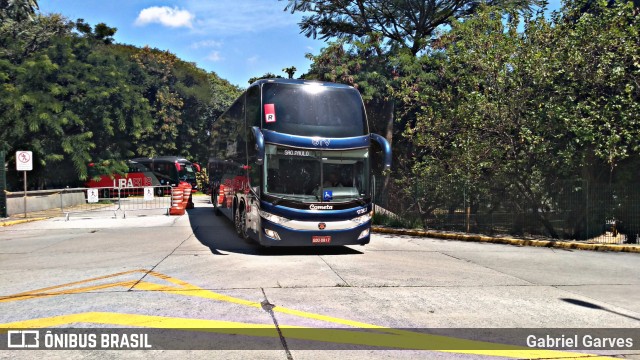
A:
<point x="154" y="271"/>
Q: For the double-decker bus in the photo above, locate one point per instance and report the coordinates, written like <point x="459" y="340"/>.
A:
<point x="171" y="170"/>
<point x="290" y="164"/>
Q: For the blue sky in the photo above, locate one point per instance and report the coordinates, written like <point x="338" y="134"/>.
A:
<point x="237" y="39"/>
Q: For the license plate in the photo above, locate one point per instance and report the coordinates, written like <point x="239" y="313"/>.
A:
<point x="321" y="239"/>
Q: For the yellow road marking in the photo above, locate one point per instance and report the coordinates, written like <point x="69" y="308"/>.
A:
<point x="407" y="340"/>
<point x="385" y="337"/>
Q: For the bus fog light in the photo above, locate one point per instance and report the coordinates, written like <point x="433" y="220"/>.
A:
<point x="363" y="234"/>
<point x="272" y="234"/>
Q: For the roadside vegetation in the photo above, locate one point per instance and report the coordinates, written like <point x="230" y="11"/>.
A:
<point x="493" y="107"/>
<point x="72" y="96"/>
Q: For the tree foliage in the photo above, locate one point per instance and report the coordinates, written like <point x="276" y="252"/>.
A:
<point x="267" y="75"/>
<point x="17" y="10"/>
<point x="520" y="115"/>
<point x="73" y="97"/>
<point x="407" y="24"/>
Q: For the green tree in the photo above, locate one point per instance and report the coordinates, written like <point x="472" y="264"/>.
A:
<point x="70" y="100"/>
<point x="267" y="75"/>
<point x="17" y="10"/>
<point x="520" y="116"/>
<point x="373" y="34"/>
<point x="408" y="24"/>
<point x="290" y="71"/>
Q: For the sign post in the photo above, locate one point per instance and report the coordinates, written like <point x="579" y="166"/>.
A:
<point x="24" y="163"/>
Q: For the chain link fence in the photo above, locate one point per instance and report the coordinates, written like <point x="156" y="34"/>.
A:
<point x="599" y="213"/>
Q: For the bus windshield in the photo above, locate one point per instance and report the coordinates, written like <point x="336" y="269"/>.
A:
<point x="316" y="175"/>
<point x="315" y="110"/>
<point x="187" y="172"/>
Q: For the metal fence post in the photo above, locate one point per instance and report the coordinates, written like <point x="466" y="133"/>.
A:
<point x="588" y="234"/>
<point x="3" y="187"/>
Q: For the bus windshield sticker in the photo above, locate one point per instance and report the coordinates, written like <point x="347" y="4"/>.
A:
<point x="269" y="113"/>
<point x="327" y="195"/>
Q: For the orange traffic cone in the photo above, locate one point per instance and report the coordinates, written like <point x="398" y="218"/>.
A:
<point x="177" y="201"/>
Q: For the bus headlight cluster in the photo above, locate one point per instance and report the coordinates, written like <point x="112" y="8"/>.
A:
<point x="362" y="219"/>
<point x="273" y="218"/>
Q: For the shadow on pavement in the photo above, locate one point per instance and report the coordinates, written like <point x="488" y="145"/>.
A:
<point x="595" y="307"/>
<point x="218" y="234"/>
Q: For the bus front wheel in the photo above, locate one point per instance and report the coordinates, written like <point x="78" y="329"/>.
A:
<point x="241" y="222"/>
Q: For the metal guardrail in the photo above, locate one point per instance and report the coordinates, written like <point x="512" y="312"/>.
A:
<point x="113" y="199"/>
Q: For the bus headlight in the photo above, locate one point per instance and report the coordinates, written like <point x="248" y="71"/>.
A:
<point x="363" y="234"/>
<point x="362" y="219"/>
<point x="273" y="218"/>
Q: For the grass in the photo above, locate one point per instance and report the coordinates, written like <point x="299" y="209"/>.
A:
<point x="396" y="221"/>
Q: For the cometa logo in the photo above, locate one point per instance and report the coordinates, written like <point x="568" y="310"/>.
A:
<point x="320" y="207"/>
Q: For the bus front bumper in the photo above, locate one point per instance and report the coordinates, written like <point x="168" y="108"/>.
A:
<point x="273" y="234"/>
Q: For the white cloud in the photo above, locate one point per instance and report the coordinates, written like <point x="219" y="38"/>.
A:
<point x="215" y="56"/>
<point x="240" y="16"/>
<point x="253" y="60"/>
<point x="206" y="44"/>
<point x="171" y="17"/>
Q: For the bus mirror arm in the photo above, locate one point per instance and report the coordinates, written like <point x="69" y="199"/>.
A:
<point x="259" y="144"/>
<point x="384" y="144"/>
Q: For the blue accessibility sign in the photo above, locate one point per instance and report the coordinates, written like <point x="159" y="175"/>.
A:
<point x="327" y="195"/>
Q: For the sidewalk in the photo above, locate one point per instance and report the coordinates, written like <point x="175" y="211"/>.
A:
<point x="31" y="216"/>
<point x="559" y="244"/>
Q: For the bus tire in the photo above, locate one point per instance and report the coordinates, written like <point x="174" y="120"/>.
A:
<point x="241" y="222"/>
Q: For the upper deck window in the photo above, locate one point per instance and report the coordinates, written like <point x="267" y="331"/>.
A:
<point x="315" y="110"/>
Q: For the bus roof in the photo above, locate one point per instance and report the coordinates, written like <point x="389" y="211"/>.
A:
<point x="300" y="82"/>
<point x="162" y="158"/>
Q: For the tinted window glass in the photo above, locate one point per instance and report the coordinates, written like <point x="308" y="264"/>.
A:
<point x="315" y="110"/>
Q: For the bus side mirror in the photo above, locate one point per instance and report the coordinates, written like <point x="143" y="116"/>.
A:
<point x="257" y="134"/>
<point x="384" y="144"/>
<point x="197" y="166"/>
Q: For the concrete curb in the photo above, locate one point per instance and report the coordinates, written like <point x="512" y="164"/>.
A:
<point x="20" y="221"/>
<point x="559" y="244"/>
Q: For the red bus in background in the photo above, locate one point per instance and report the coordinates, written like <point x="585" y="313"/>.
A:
<point x="131" y="183"/>
<point x="172" y="170"/>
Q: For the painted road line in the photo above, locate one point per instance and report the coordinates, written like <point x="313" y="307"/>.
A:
<point x="21" y="221"/>
<point x="386" y="337"/>
<point x="406" y="340"/>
